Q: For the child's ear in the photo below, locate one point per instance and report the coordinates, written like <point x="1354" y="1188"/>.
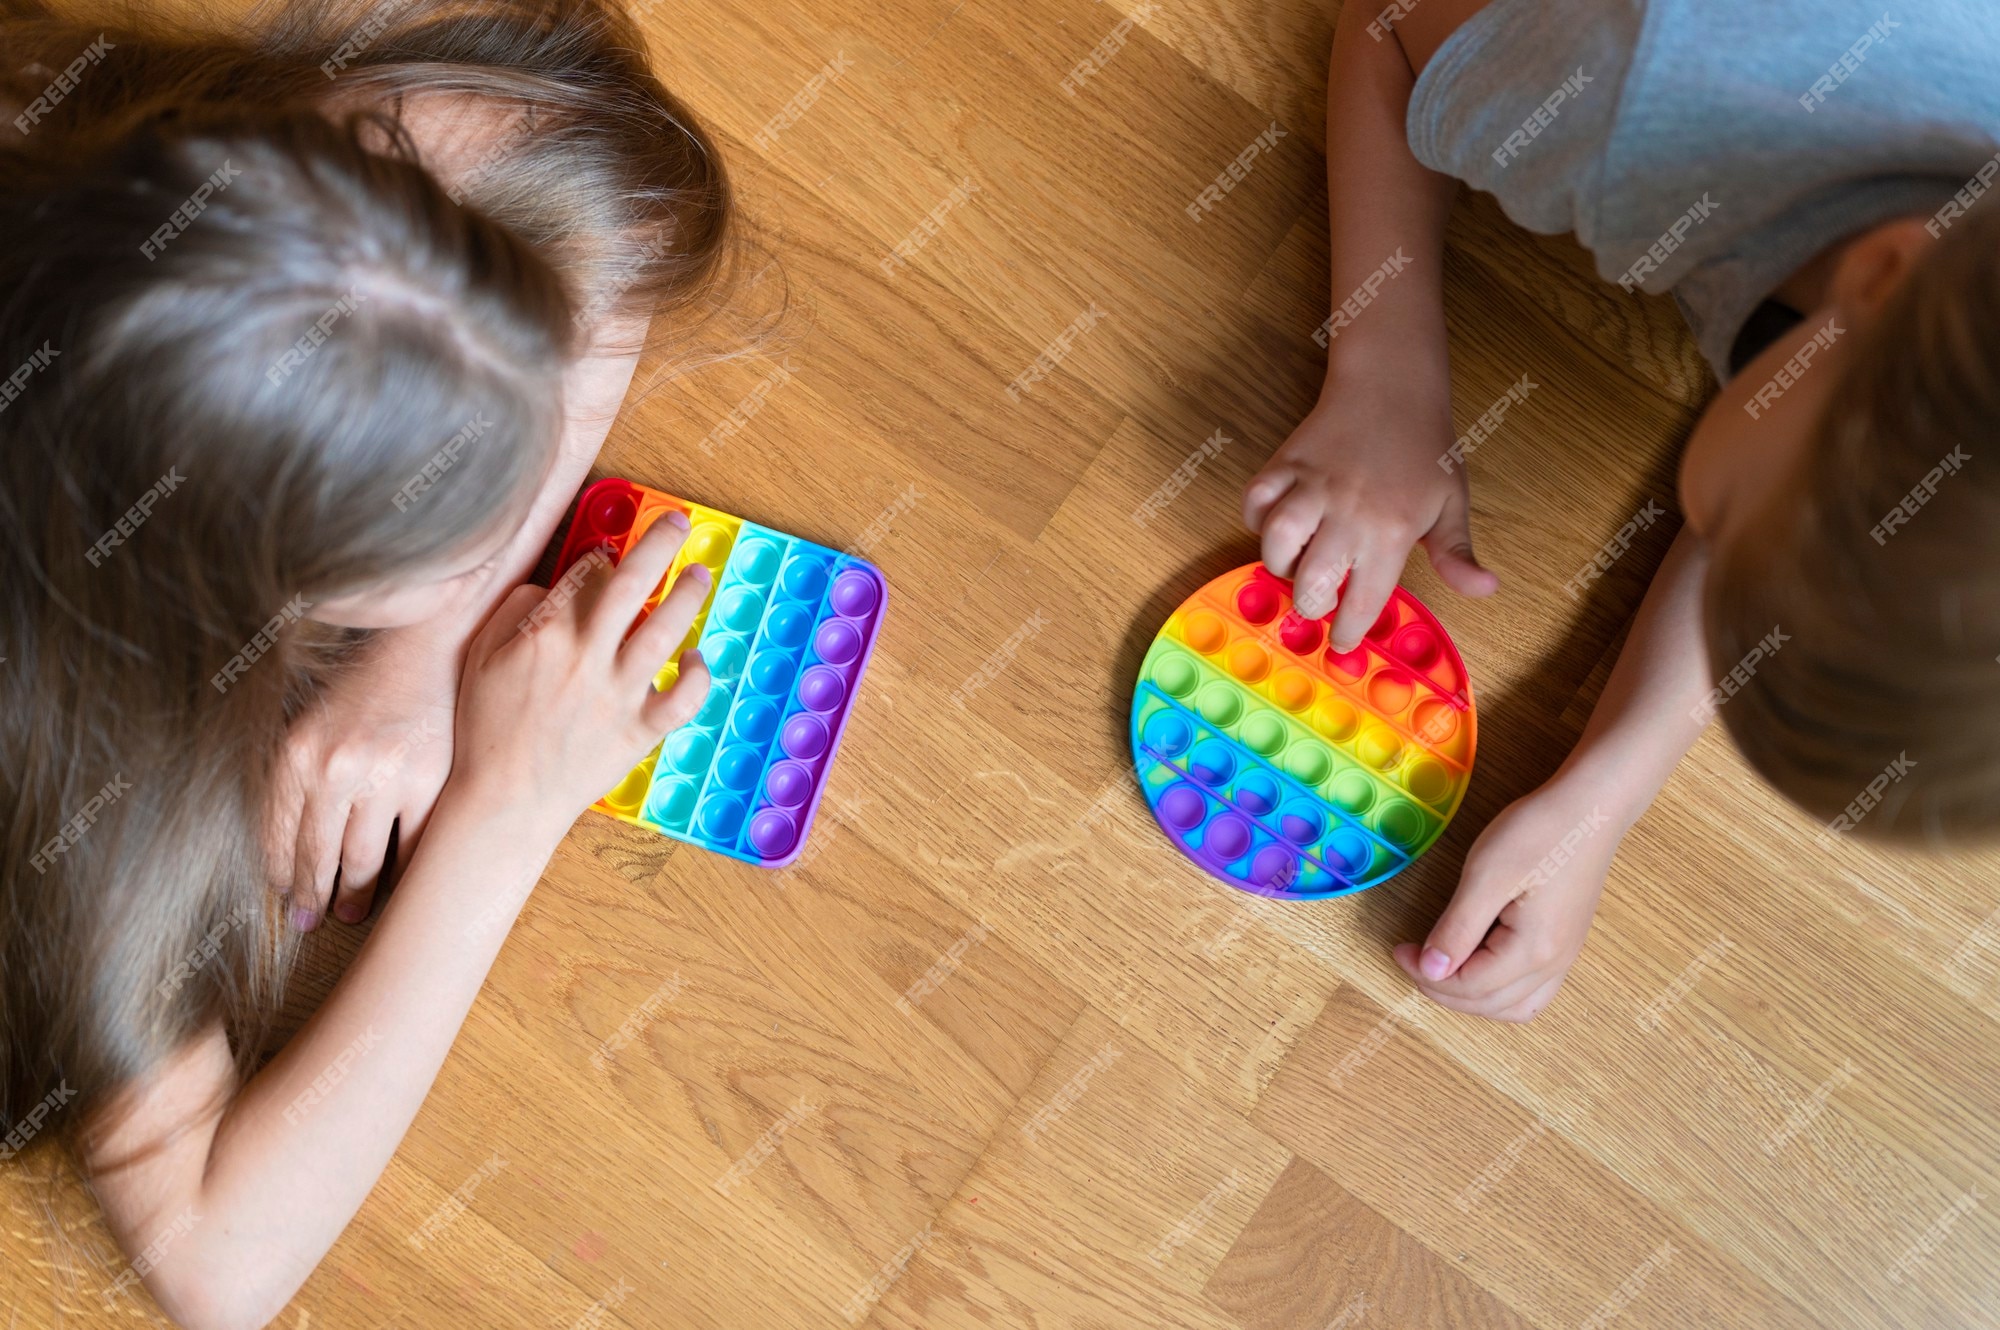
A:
<point x="1874" y="265"/>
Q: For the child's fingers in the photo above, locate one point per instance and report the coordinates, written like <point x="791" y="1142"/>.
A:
<point x="1449" y="544"/>
<point x="1465" y="923"/>
<point x="653" y="641"/>
<point x="1497" y="974"/>
<point x="409" y="829"/>
<point x="362" y="852"/>
<point x="1529" y="1007"/>
<point x="674" y="708"/>
<point x="1288" y="528"/>
<point x="1263" y="494"/>
<point x="1327" y="563"/>
<point x="1369" y="587"/>
<point x="318" y="855"/>
<point x="509" y="617"/>
<point x="637" y="574"/>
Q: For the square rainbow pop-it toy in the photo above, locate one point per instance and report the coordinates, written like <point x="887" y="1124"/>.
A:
<point x="1290" y="770"/>
<point x="787" y="631"/>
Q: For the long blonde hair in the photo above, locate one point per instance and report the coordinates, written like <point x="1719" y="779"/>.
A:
<point x="249" y="316"/>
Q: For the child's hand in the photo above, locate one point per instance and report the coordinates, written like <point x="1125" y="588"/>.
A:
<point x="558" y="702"/>
<point x="1522" y="910"/>
<point x="371" y="757"/>
<point x="1346" y="496"/>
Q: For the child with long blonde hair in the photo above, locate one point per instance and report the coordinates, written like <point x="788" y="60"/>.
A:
<point x="308" y="335"/>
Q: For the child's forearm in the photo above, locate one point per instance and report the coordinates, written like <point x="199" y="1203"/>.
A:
<point x="1386" y="215"/>
<point x="298" y="1150"/>
<point x="1650" y="713"/>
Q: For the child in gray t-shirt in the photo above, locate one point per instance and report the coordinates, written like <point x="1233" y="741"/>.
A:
<point x="1806" y="181"/>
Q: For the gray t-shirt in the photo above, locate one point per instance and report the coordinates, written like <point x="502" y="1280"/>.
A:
<point x="1711" y="147"/>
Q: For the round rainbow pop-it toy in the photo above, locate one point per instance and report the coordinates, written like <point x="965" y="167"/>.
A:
<point x="1290" y="770"/>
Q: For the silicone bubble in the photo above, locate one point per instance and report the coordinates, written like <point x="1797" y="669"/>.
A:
<point x="1228" y="837"/>
<point x="1213" y="762"/>
<point x="804" y="737"/>
<point x="1399" y="823"/>
<point x="721" y="816"/>
<point x="1389" y="694"/>
<point x="1249" y="662"/>
<point x="725" y="655"/>
<point x="1303" y="822"/>
<point x="787" y="634"/>
<point x="689" y="751"/>
<point x="1220" y="703"/>
<point x="671" y="804"/>
<point x="1286" y="768"/>
<point x="1352" y="791"/>
<point x="1176" y="673"/>
<point x="789" y="626"/>
<point x="1264" y="733"/>
<point x="1379" y="747"/>
<point x="709" y="544"/>
<point x="789" y="784"/>
<point x="756" y="561"/>
<point x="1183" y="807"/>
<point x="1348" y="664"/>
<point x="771" y="671"/>
<point x="1435" y="721"/>
<point x="1416" y="646"/>
<point x="772" y="833"/>
<point x="1259" y="602"/>
<point x="1336" y="718"/>
<point x="611" y="513"/>
<point x="1309" y="763"/>
<point x="738" y="610"/>
<point x="714" y="707"/>
<point x="1302" y="637"/>
<point x="1428" y="780"/>
<point x="1205" y="632"/>
<point x="1273" y="867"/>
<point x="837" y="642"/>
<point x="1348" y="852"/>
<point x="804" y="579"/>
<point x="821" y="689"/>
<point x="755" y="721"/>
<point x="739" y="767"/>
<point x="1257" y="792"/>
<point x="1293" y="689"/>
<point x="853" y="594"/>
<point x="1168" y="735"/>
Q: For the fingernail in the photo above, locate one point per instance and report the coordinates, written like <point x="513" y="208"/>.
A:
<point x="694" y="654"/>
<point x="349" y="912"/>
<point x="1435" y="964"/>
<point x="303" y="919"/>
<point x="680" y="519"/>
<point x="699" y="572"/>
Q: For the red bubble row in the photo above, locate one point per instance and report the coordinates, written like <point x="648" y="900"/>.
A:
<point x="1415" y="646"/>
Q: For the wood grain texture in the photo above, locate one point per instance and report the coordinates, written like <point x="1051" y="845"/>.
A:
<point x="1141" y="1099"/>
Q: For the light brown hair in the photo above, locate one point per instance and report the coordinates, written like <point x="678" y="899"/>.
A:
<point x="432" y="310"/>
<point x="1879" y="712"/>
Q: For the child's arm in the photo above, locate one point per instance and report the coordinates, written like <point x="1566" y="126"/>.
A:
<point x="1533" y="878"/>
<point x="1359" y="480"/>
<point x="253" y="1193"/>
<point x="377" y="750"/>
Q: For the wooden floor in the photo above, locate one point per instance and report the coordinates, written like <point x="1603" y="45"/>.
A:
<point x="1765" y="1099"/>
